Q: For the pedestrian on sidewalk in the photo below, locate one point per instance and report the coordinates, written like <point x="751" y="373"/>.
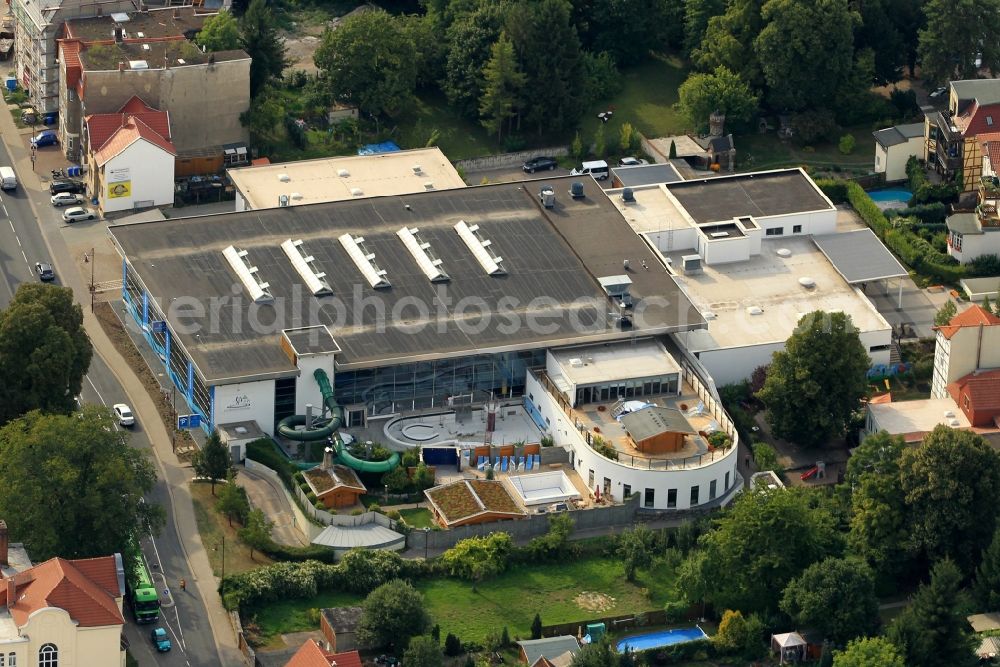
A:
<point x="183" y="585"/>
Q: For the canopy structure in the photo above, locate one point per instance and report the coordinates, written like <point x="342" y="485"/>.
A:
<point x="861" y="258"/>
<point x="790" y="647"/>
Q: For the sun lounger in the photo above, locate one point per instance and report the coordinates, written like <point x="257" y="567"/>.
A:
<point x="538" y="460"/>
<point x="496" y="463"/>
<point x="697" y="410"/>
<point x="520" y="464"/>
<point x="503" y="463"/>
<point x="481" y="463"/>
<point x="529" y="464"/>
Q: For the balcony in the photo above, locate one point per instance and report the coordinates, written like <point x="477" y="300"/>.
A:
<point x="987" y="214"/>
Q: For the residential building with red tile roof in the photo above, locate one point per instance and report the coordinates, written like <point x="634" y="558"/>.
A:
<point x="969" y="342"/>
<point x="978" y="397"/>
<point x="975" y="233"/>
<point x="63" y="611"/>
<point x="951" y="136"/>
<point x="313" y="655"/>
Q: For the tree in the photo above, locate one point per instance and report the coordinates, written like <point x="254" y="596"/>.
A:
<point x="697" y="14"/>
<point x="635" y="549"/>
<point x="987" y="306"/>
<point x="944" y="315"/>
<point x="504" y="637"/>
<point x="932" y="630"/>
<point x="548" y="48"/>
<point x="600" y="144"/>
<point x="806" y="51"/>
<point x="816" y="383"/>
<point x="869" y="652"/>
<point x="740" y="636"/>
<point x="391" y="614"/>
<point x="880" y="32"/>
<point x="261" y="41"/>
<point x="729" y="41"/>
<point x="44" y="351"/>
<point x="71" y="486"/>
<point x="370" y="61"/>
<point x="765" y="457"/>
<point x="502" y="85"/>
<point x="987" y="587"/>
<point x="233" y="502"/>
<point x="213" y="460"/>
<point x="452" y="646"/>
<point x="758" y="545"/>
<point x="957" y="35"/>
<point x="256" y="530"/>
<point x="627" y="138"/>
<point x="846" y="144"/>
<point x="722" y="91"/>
<point x="423" y="652"/>
<point x="599" y="654"/>
<point x="673" y="150"/>
<point x="536" y="627"/>
<point x="477" y="558"/>
<point x="220" y="32"/>
<point x="576" y="147"/>
<point x="878" y="523"/>
<point x="470" y="41"/>
<point x="946" y="483"/>
<point x="835" y="596"/>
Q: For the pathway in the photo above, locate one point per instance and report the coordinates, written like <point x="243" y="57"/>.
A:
<point x="266" y="495"/>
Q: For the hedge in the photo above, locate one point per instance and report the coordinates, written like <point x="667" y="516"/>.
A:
<point x="699" y="649"/>
<point x="835" y="189"/>
<point x="264" y="451"/>
<point x="935" y="212"/>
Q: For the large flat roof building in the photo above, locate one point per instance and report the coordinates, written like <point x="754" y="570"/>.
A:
<point x="343" y="177"/>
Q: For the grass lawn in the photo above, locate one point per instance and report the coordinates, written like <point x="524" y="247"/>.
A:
<point x="419" y="517"/>
<point x="512" y="599"/>
<point x="756" y="152"/>
<point x="212" y="526"/>
<point x="457" y="136"/>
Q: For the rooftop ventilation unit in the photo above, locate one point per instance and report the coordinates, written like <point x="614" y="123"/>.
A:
<point x="284" y="178"/>
<point x="691" y="264"/>
<point x="617" y="289"/>
<point x="709" y="315"/>
<point x="304" y="266"/>
<point x="949" y="413"/>
<point x="343" y="173"/>
<point x="576" y="190"/>
<point x="428" y="185"/>
<point x="297" y="196"/>
<point x="783" y="252"/>
<point x="247" y="273"/>
<point x="417" y="169"/>
<point x="282" y="201"/>
<point x="807" y="282"/>
<point x="364" y="260"/>
<point x="719" y="235"/>
<point x="356" y="192"/>
<point x="628" y="196"/>
<point x="119" y="17"/>
<point x="547" y="196"/>
<point x="140" y="35"/>
<point x="422" y="255"/>
<point x="138" y="64"/>
<point x="480" y="248"/>
<point x="755" y="310"/>
<point x="145" y="47"/>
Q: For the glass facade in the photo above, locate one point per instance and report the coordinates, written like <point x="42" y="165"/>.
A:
<point x="612" y="391"/>
<point x="430" y="384"/>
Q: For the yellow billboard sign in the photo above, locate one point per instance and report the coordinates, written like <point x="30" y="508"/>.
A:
<point x="119" y="189"/>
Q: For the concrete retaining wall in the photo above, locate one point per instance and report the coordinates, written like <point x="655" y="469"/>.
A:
<point x="508" y="159"/>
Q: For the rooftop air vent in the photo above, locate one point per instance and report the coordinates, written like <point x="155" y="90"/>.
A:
<point x="576" y="362"/>
<point x="364" y="260"/>
<point x="576" y="190"/>
<point x="145" y="47"/>
<point x="297" y="196"/>
<point x="628" y="196"/>
<point x="343" y="173"/>
<point x="247" y="273"/>
<point x="282" y="200"/>
<point x="481" y="248"/>
<point x="422" y="254"/>
<point x="428" y="185"/>
<point x="949" y="413"/>
<point x="807" y="282"/>
<point x="181" y="61"/>
<point x="954" y="422"/>
<point x="755" y="310"/>
<point x="356" y="192"/>
<point x="709" y="315"/>
<point x="284" y="178"/>
<point x="783" y="252"/>
<point x="691" y="264"/>
<point x="618" y="289"/>
<point x="547" y="196"/>
<point x="304" y="265"/>
<point x="417" y="169"/>
<point x="719" y="235"/>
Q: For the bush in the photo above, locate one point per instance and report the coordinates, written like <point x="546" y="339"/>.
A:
<point x="814" y="126"/>
<point x="264" y="451"/>
<point x="393" y="514"/>
<point x="604" y="448"/>
<point x="548" y="441"/>
<point x="719" y="440"/>
<point x="319" y="505"/>
<point x="311" y="497"/>
<point x="375" y="507"/>
<point x="701" y="649"/>
<point x="933" y="213"/>
<point x="476" y="558"/>
<point x="452" y="645"/>
<point x="846" y="144"/>
<point x="923" y="190"/>
<point x="985" y="265"/>
<point x="835" y="189"/>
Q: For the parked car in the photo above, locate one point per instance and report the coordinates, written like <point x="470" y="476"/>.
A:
<point x="8" y="179"/>
<point x="631" y="162"/>
<point x="76" y="187"/>
<point x="67" y="199"/>
<point x="78" y="213"/>
<point x="45" y="138"/>
<point x="45" y="272"/>
<point x="123" y="414"/>
<point x="160" y="640"/>
<point x="540" y="164"/>
<point x="598" y="169"/>
<point x="938" y="92"/>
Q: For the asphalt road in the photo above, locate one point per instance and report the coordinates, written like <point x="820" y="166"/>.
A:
<point x="22" y="243"/>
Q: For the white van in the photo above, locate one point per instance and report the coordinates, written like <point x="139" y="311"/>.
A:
<point x="8" y="181"/>
<point x="598" y="169"/>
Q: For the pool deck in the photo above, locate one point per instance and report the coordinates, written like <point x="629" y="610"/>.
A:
<point x="513" y="424"/>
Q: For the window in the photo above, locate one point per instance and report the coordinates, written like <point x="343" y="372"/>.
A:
<point x="989" y="121"/>
<point x="607" y="486"/>
<point x="2" y="662"/>
<point x="626" y="491"/>
<point x="776" y="231"/>
<point x="48" y="656"/>
<point x="648" y="499"/>
<point x="671" y="498"/>
<point x="694" y="495"/>
<point x="966" y="403"/>
<point x="590" y="479"/>
<point x="796" y="229"/>
<point x="727" y="482"/>
<point x="12" y="660"/>
<point x="711" y="490"/>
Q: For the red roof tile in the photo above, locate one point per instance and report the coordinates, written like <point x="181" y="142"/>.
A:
<point x="133" y="130"/>
<point x="86" y="590"/>
<point x="978" y="119"/>
<point x="991" y="148"/>
<point x="71" y="58"/>
<point x="312" y="655"/>
<point x="970" y="317"/>
<point x="983" y="389"/>
<point x="135" y="104"/>
<point x="102" y="126"/>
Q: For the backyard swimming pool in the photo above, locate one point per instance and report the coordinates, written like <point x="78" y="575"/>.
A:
<point x="661" y="638"/>
<point x="891" y="197"/>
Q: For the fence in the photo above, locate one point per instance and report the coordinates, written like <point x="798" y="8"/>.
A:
<point x="522" y="530"/>
<point x="651" y="150"/>
<point x="249" y="655"/>
<point x="508" y="159"/>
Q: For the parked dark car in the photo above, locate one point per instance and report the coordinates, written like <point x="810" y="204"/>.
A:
<point x="540" y="164"/>
<point x="44" y="271"/>
<point x="45" y="138"/>
<point x="75" y="187"/>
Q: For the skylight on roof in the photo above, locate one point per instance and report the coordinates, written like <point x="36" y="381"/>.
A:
<point x="423" y="255"/>
<point x="305" y="266"/>
<point x="364" y="260"/>
<point x="119" y="17"/>
<point x="247" y="273"/>
<point x="480" y="248"/>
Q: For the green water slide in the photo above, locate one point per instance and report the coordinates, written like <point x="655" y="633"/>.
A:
<point x="323" y="429"/>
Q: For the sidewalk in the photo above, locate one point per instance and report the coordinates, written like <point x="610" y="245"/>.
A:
<point x="175" y="476"/>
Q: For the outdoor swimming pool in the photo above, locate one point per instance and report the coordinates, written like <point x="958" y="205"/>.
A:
<point x="661" y="638"/>
<point x="891" y="197"/>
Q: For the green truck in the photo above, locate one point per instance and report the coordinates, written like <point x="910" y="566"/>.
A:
<point x="141" y="590"/>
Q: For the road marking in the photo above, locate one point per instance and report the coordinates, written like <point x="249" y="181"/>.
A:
<point x="18" y="241"/>
<point x="4" y="206"/>
<point x="11" y="223"/>
<point x="179" y="634"/>
<point x="99" y="396"/>
<point x="25" y="259"/>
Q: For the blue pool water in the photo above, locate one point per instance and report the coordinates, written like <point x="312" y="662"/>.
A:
<point x="661" y="638"/>
<point x="891" y="197"/>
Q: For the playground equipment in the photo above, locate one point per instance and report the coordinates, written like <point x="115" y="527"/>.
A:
<point x="323" y="429"/>
<point x="818" y="471"/>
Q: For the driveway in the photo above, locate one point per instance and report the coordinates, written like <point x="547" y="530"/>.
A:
<point x="266" y="495"/>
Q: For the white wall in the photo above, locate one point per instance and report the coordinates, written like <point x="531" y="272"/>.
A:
<point x="976" y="245"/>
<point x="306" y="389"/>
<point x="585" y="459"/>
<point x="816" y="222"/>
<point x="241" y="203"/>
<point x="720" y="251"/>
<point x="246" y="401"/>
<point x="893" y="161"/>
<point x="678" y="239"/>
<point x="78" y="647"/>
<point x="151" y="176"/>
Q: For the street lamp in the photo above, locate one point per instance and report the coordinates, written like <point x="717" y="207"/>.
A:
<point x="427" y="532"/>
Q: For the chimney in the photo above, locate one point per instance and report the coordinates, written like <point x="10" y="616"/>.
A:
<point x="121" y="65"/>
<point x="4" y="543"/>
<point x="327" y="458"/>
<point x="119" y="35"/>
<point x="11" y="590"/>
